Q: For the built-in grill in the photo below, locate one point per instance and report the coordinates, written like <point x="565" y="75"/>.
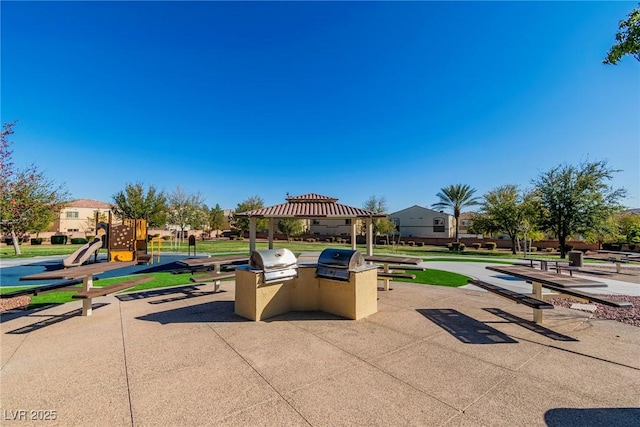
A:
<point x="275" y="264"/>
<point x="336" y="264"/>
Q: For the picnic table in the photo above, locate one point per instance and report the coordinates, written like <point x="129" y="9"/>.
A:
<point x="617" y="260"/>
<point x="212" y="268"/>
<point x="563" y="285"/>
<point x="84" y="272"/>
<point x="544" y="262"/>
<point x="390" y="263"/>
<point x="211" y="263"/>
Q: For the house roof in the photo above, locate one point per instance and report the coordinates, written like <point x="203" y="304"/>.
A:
<point x="419" y="207"/>
<point x="88" y="203"/>
<point x="311" y="205"/>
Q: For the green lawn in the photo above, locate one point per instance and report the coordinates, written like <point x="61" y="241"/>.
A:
<point x="166" y="279"/>
<point x="160" y="280"/>
<point x="242" y="246"/>
<point x="438" y="277"/>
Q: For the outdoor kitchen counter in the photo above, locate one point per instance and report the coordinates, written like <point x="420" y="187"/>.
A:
<point x="353" y="299"/>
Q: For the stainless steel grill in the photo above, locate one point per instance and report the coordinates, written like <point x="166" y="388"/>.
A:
<point x="336" y="264"/>
<point x="275" y="264"/>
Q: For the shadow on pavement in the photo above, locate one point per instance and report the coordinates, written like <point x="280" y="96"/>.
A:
<point x="466" y="329"/>
<point x="215" y="311"/>
<point x="619" y="417"/>
<point x="157" y="292"/>
<point x="528" y="324"/>
<point x="50" y="320"/>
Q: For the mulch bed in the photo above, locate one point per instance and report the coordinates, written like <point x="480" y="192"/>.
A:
<point x="21" y="302"/>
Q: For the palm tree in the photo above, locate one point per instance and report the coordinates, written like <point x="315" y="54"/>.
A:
<point x="456" y="197"/>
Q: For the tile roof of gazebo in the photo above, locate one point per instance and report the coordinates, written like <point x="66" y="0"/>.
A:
<point x="311" y="205"/>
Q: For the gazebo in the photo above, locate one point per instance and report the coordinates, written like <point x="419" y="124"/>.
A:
<point x="311" y="206"/>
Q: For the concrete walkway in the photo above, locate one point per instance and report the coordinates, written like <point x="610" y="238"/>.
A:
<point x="430" y="356"/>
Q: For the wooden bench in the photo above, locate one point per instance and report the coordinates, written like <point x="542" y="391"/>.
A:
<point x="396" y="275"/>
<point x="405" y="267"/>
<point x="214" y="277"/>
<point x="571" y="269"/>
<point x="617" y="261"/>
<point x="514" y="296"/>
<point x="387" y="276"/>
<point x="88" y="294"/>
<point x="60" y="287"/>
<point x="585" y="296"/>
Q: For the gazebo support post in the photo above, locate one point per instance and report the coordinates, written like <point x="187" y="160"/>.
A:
<point x="252" y="234"/>
<point x="369" y="226"/>
<point x="271" y="222"/>
<point x="353" y="233"/>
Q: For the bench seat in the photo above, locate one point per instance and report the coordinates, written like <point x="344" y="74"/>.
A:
<point x="106" y="290"/>
<point x="514" y="296"/>
<point x="42" y="289"/>
<point x="589" y="297"/>
<point x="396" y="275"/>
<point x="571" y="269"/>
<point x="406" y="267"/>
<point x="213" y="276"/>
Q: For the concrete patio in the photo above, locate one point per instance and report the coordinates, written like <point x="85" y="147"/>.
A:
<point x="430" y="356"/>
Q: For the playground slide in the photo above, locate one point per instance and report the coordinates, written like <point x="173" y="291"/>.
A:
<point x="83" y="253"/>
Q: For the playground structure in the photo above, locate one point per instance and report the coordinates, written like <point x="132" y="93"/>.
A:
<point x="84" y="252"/>
<point x="127" y="241"/>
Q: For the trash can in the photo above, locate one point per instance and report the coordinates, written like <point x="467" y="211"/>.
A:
<point x="575" y="258"/>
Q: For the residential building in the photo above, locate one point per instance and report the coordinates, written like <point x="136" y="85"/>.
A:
<point x="77" y="216"/>
<point x="333" y="227"/>
<point x="417" y="221"/>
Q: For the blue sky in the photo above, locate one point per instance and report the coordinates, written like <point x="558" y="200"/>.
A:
<point x="350" y="100"/>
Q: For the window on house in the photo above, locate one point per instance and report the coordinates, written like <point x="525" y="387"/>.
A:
<point x="72" y="230"/>
<point x="347" y="222"/>
<point x="71" y="214"/>
<point x="315" y="222"/>
<point x="438" y="225"/>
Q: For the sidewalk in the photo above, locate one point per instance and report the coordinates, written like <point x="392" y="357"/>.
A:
<point x="430" y="356"/>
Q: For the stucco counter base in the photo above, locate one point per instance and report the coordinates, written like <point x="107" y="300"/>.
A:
<point x="355" y="299"/>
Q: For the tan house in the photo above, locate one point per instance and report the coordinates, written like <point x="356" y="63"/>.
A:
<point x="417" y="221"/>
<point x="75" y="216"/>
<point x="466" y="221"/>
<point x="333" y="227"/>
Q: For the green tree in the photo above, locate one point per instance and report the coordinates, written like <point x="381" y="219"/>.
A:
<point x="42" y="222"/>
<point x="184" y="209"/>
<point x="28" y="199"/>
<point x="381" y="226"/>
<point x="290" y="227"/>
<point x="136" y="203"/>
<point x="456" y="197"/>
<point x="627" y="39"/>
<point x="575" y="199"/>
<point x="506" y="210"/>
<point x="629" y="226"/>
<point x="216" y="219"/>
<point x="241" y="224"/>
<point x="604" y="230"/>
